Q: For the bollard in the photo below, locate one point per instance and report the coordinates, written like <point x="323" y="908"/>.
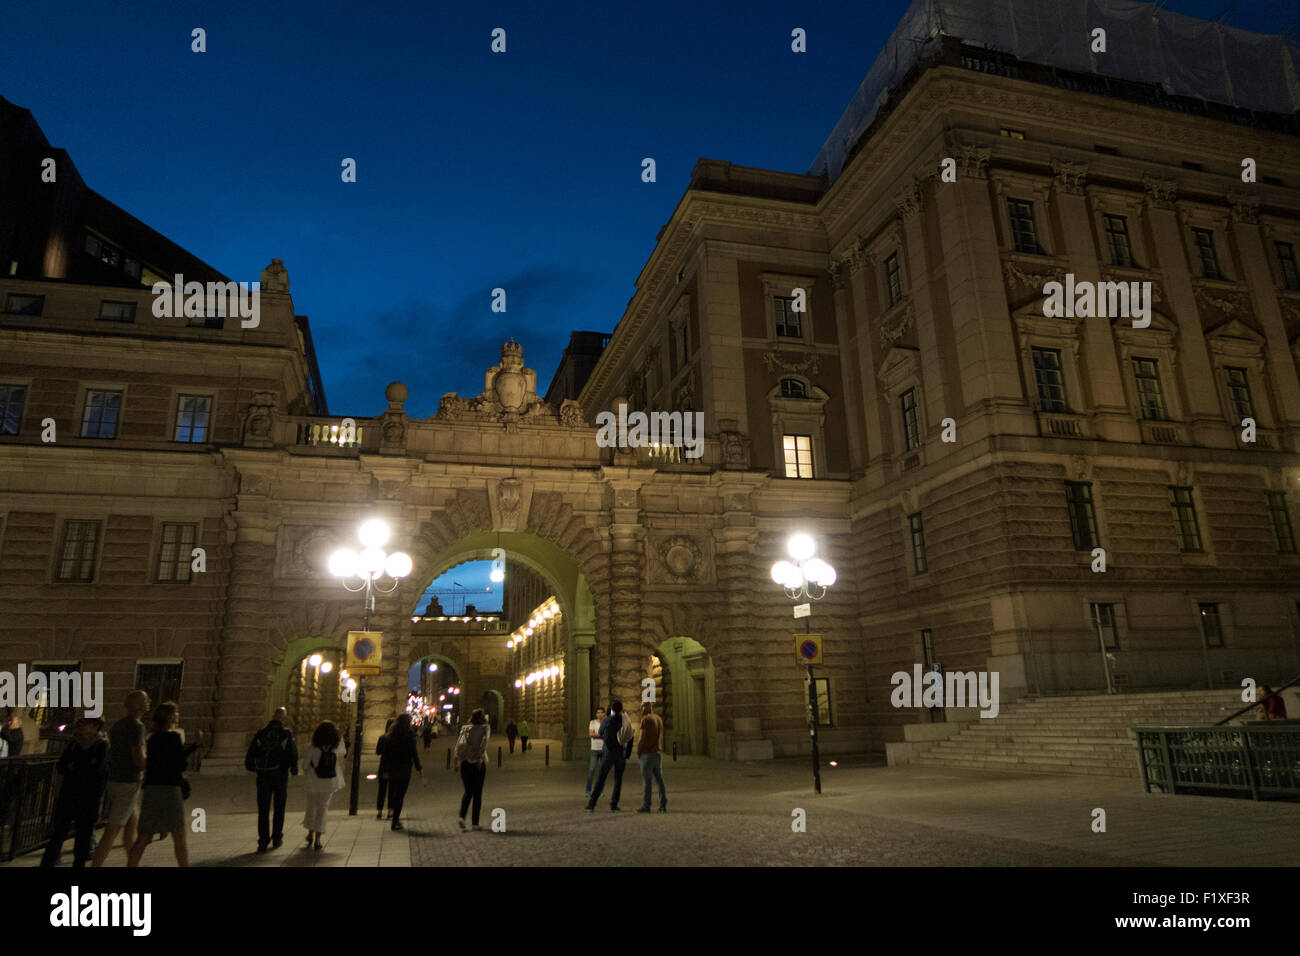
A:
<point x="498" y="758"/>
<point x="674" y="751"/>
<point x="548" y="755"/>
<point x="448" y="758"/>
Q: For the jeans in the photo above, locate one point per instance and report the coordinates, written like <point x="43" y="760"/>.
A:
<point x="592" y="763"/>
<point x="271" y="784"/>
<point x="397" y="786"/>
<point x="81" y="811"/>
<point x="472" y="776"/>
<point x="613" y="758"/>
<point x="651" y="766"/>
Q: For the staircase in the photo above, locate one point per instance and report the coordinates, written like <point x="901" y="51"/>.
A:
<point x="1083" y="735"/>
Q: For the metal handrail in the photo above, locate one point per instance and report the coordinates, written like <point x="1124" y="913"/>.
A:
<point x="1277" y="693"/>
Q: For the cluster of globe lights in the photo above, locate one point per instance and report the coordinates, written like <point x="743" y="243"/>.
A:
<point x="549" y="610"/>
<point x="535" y="676"/>
<point x="373" y="561"/>
<point x="796" y="576"/>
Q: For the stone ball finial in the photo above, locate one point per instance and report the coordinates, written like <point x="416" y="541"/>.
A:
<point x="395" y="393"/>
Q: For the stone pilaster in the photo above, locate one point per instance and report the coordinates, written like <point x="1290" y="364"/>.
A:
<point x="741" y="697"/>
<point x="626" y="571"/>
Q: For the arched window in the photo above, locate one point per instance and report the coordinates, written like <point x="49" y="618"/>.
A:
<point x="793" y="388"/>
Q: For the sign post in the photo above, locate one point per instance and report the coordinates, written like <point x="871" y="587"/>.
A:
<point x="808" y="649"/>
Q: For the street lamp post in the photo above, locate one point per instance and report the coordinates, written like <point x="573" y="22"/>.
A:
<point x="807" y="577"/>
<point x="371" y="564"/>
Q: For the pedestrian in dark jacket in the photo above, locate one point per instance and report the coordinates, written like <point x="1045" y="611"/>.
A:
<point x="511" y="733"/>
<point x="12" y="734"/>
<point x="162" y="806"/>
<point x="427" y="733"/>
<point x="400" y="754"/>
<point x="272" y="755"/>
<point x="84" y="768"/>
<point x="616" y="732"/>
<point x="383" y="781"/>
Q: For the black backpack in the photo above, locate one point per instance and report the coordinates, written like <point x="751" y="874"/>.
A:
<point x="325" y="768"/>
<point x="268" y="750"/>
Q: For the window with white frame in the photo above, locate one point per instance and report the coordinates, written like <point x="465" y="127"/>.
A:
<point x="798" y="456"/>
<point x="79" y="551"/>
<point x="175" y="551"/>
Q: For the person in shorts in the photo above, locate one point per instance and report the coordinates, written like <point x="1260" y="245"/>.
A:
<point x="126" y="764"/>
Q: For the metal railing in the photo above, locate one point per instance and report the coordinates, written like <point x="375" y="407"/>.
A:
<point x="29" y="787"/>
<point x="1261" y="760"/>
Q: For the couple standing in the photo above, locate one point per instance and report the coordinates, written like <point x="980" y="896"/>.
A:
<point x="612" y="741"/>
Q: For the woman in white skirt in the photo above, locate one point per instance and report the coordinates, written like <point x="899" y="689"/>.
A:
<point x="323" y="773"/>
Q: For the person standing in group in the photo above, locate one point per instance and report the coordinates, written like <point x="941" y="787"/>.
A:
<point x="272" y="755"/>
<point x="400" y="755"/>
<point x="512" y="732"/>
<point x="383" y="781"/>
<point x="471" y="763"/>
<point x="83" y="766"/>
<point x="524" y="733"/>
<point x="427" y="733"/>
<point x="12" y="734"/>
<point x="126" y="765"/>
<point x="597" y="747"/>
<point x="322" y="777"/>
<point x="650" y="755"/>
<point x="162" y="806"/>
<point x="616" y="732"/>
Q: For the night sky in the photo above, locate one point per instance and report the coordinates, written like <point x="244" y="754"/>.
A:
<point x="474" y="169"/>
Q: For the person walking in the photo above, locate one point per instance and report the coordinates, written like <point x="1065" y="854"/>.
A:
<point x="272" y="755"/>
<point x="400" y="755"/>
<point x="524" y="733"/>
<point x="126" y="766"/>
<point x="383" y="781"/>
<point x="427" y="733"/>
<point x="83" y="766"/>
<point x="162" y="804"/>
<point x="471" y="763"/>
<point x="597" y="747"/>
<point x="650" y="755"/>
<point x="512" y="732"/>
<point x="616" y="732"/>
<point x="322" y="777"/>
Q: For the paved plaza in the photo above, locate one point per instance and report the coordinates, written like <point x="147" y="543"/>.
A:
<point x="737" y="814"/>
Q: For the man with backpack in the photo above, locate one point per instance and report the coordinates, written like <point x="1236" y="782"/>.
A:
<point x="616" y="731"/>
<point x="272" y="755"/>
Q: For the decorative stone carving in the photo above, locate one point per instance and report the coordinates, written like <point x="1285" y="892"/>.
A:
<point x="1229" y="302"/>
<point x="1071" y="178"/>
<point x="625" y="498"/>
<point x="306" y="552"/>
<point x="510" y="495"/>
<point x="509" y="395"/>
<point x="972" y="160"/>
<point x="254" y="485"/>
<point x="735" y="445"/>
<point x="393" y="421"/>
<point x="1080" y="467"/>
<point x="677" y="560"/>
<point x="1245" y="208"/>
<point x="394" y="432"/>
<point x="259" y="421"/>
<point x="685" y="393"/>
<point x="275" y="278"/>
<point x="1017" y="276"/>
<point x="776" y="364"/>
<point x="571" y="414"/>
<point x="912" y="200"/>
<point x="1161" y="193"/>
<point x="897" y="322"/>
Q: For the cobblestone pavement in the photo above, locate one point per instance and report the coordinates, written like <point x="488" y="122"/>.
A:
<point x="723" y="814"/>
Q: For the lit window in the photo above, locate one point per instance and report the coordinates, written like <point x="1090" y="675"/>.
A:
<point x="798" y="456"/>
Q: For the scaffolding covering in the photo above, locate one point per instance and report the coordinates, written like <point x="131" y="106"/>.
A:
<point x="1182" y="55"/>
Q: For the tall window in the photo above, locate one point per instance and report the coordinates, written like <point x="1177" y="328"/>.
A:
<point x="1281" y="518"/>
<point x="1023" y="235"/>
<point x="192" y="417"/>
<point x="793" y="388"/>
<point x="686" y="341"/>
<point x="1211" y="625"/>
<point x="1205" y="249"/>
<point x="1083" y="517"/>
<point x="1050" y="380"/>
<point x="893" y="283"/>
<point x="1151" y="397"/>
<point x="174" y="555"/>
<point x="911" y="428"/>
<point x="927" y="647"/>
<point x="1189" y="531"/>
<point x="77" y="556"/>
<point x="99" y="414"/>
<point x="788" y="322"/>
<point x="798" y="456"/>
<point x="1286" y="261"/>
<point x="1103" y="622"/>
<point x="1121" y="252"/>
<point x="917" y="530"/>
<point x="117" y="311"/>
<point x="12" y="398"/>
<point x="162" y="682"/>
<point x="1239" y="394"/>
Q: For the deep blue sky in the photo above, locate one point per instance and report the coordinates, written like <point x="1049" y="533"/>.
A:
<point x="475" y="170"/>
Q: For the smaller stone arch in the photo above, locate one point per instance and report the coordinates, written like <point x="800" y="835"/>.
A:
<point x="687" y="695"/>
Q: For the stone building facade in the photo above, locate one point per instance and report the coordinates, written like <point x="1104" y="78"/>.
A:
<point x="924" y="321"/>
